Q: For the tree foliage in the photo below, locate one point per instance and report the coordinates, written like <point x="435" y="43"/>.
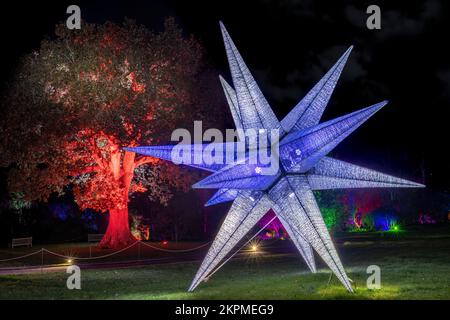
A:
<point x="85" y="94"/>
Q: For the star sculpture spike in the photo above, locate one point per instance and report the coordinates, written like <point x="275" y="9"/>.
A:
<point x="297" y="237"/>
<point x="331" y="173"/>
<point x="309" y="110"/>
<point x="257" y="114"/>
<point x="222" y="195"/>
<point x="244" y="213"/>
<point x="304" y="167"/>
<point x="298" y="205"/>
<point x="192" y="155"/>
<point x="230" y="94"/>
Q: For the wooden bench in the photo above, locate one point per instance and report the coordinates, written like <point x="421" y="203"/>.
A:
<point x="21" y="242"/>
<point x="95" y="237"/>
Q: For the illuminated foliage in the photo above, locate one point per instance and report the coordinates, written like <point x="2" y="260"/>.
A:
<point x="18" y="203"/>
<point x="273" y="228"/>
<point x="330" y="216"/>
<point x="82" y="96"/>
<point x="331" y="208"/>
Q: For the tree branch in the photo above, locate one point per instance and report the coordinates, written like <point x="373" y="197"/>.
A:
<point x="97" y="158"/>
<point x="145" y="160"/>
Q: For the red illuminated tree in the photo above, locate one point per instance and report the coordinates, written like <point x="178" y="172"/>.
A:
<point x="84" y="95"/>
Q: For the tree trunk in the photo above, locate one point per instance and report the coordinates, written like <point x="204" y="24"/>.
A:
<point x="118" y="234"/>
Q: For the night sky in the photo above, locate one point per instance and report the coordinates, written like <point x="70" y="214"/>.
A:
<point x="289" y="45"/>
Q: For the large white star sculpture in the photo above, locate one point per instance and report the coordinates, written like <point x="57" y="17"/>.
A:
<point x="303" y="146"/>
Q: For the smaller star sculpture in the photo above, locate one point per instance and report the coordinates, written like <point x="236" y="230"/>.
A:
<point x="304" y="166"/>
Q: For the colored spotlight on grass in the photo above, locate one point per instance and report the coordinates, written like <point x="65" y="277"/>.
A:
<point x="395" y="228"/>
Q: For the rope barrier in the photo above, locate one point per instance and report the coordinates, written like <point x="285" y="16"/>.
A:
<point x="24" y="256"/>
<point x="181" y="250"/>
<point x="91" y="258"/>
<point x="106" y="255"/>
<point x="42" y="250"/>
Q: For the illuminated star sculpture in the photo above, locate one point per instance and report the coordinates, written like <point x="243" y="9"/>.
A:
<point x="304" y="167"/>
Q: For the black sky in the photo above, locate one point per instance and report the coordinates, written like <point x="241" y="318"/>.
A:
<point x="289" y="45"/>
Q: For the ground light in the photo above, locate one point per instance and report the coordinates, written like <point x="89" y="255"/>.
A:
<point x="395" y="228"/>
<point x="254" y="246"/>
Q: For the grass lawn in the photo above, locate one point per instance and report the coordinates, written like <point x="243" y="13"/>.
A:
<point x="414" y="265"/>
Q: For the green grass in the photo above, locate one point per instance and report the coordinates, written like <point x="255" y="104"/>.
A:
<point x="412" y="266"/>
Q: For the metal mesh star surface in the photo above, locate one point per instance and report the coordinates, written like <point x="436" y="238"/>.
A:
<point x="303" y="167"/>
